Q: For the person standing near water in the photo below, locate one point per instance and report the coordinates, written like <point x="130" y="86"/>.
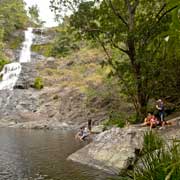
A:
<point x="90" y="124"/>
<point x="160" y="108"/>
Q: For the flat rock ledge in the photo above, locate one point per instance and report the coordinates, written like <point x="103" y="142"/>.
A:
<point x="116" y="150"/>
<point x="112" y="151"/>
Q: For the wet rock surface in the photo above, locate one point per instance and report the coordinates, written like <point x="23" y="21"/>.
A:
<point x="27" y="76"/>
<point x="42" y="36"/>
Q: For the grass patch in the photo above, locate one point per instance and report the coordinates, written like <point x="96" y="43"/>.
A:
<point x="159" y="161"/>
<point x="116" y="119"/>
<point x="152" y="142"/>
<point x="44" y="49"/>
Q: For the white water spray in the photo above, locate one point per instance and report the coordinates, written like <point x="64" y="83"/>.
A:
<point x="11" y="72"/>
<point x="25" y="55"/>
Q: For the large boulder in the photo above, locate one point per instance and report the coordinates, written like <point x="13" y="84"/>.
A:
<point x="113" y="150"/>
<point x="116" y="150"/>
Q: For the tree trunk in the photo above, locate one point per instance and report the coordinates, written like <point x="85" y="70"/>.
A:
<point x="142" y="99"/>
<point x="142" y="102"/>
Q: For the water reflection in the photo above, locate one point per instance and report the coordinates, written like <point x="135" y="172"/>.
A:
<point x="31" y="154"/>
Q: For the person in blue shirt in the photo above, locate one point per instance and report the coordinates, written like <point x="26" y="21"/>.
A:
<point x="160" y="108"/>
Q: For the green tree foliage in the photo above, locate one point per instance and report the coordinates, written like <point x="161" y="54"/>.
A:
<point x="132" y="34"/>
<point x="168" y="71"/>
<point x="12" y="16"/>
<point x="34" y="14"/>
<point x="65" y="41"/>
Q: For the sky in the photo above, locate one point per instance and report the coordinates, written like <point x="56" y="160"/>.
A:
<point x="45" y="12"/>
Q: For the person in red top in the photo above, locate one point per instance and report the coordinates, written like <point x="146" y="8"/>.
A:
<point x="147" y="120"/>
<point x="151" y="121"/>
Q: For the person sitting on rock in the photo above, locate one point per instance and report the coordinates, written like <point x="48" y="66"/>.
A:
<point x="83" y="133"/>
<point x="151" y="121"/>
<point x="147" y="120"/>
<point x="80" y="133"/>
<point x="86" y="133"/>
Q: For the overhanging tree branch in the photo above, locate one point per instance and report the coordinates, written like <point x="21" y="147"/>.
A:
<point x="105" y="50"/>
<point x="121" y="49"/>
<point x="152" y="30"/>
<point x="165" y="13"/>
<point x="162" y="8"/>
<point x="116" y="13"/>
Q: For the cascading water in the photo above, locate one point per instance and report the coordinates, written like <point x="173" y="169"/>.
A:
<point x="25" y="55"/>
<point x="11" y="72"/>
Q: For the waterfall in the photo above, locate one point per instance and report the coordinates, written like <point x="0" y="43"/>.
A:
<point x="11" y="71"/>
<point x="10" y="74"/>
<point x="25" y="55"/>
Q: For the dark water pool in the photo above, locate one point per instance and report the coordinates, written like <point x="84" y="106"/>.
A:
<point x="38" y="155"/>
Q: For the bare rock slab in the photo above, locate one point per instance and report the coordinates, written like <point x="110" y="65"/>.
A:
<point x="113" y="150"/>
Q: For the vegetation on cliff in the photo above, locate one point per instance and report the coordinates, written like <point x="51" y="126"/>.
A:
<point x="38" y="83"/>
<point x="82" y="72"/>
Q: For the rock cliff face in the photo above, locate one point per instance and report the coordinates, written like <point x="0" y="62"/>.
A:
<point x="27" y="76"/>
<point x="54" y="106"/>
<point x="75" y="90"/>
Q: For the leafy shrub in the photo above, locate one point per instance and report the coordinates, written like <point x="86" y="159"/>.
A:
<point x="160" y="161"/>
<point x="38" y="83"/>
<point x="2" y="63"/>
<point x="44" y="49"/>
<point x="64" y="45"/>
<point x="115" y="118"/>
